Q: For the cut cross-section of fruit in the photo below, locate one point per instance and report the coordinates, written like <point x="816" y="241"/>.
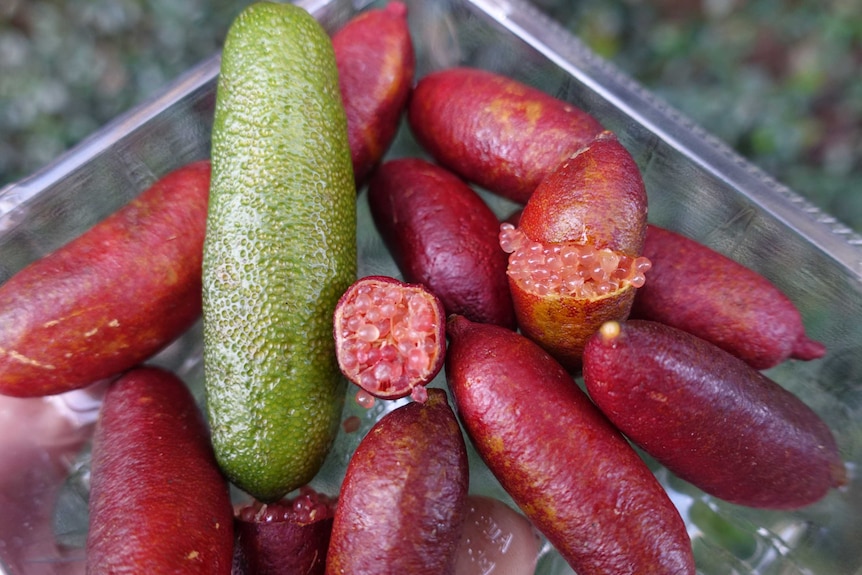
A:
<point x="576" y="255"/>
<point x="390" y="337"/>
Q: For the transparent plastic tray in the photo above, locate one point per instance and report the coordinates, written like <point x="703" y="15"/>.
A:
<point x="695" y="184"/>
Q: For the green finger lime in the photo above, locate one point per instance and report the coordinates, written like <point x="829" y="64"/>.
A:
<point x="280" y="249"/>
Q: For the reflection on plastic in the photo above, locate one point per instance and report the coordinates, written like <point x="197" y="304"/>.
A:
<point x="496" y="539"/>
<point x="39" y="441"/>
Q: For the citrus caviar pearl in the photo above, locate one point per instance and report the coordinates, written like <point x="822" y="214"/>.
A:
<point x="388" y="338"/>
<point x="569" y="268"/>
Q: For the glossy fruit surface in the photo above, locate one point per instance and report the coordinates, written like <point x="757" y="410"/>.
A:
<point x="494" y="131"/>
<point x="403" y="500"/>
<point x="709" y="417"/>
<point x="376" y="64"/>
<point x="158" y="502"/>
<point x="442" y="234"/>
<point x="111" y="298"/>
<point x="701" y="291"/>
<point x="567" y="468"/>
<point x="280" y="250"/>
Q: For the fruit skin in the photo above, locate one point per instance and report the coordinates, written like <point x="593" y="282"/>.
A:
<point x="596" y="197"/>
<point x="376" y="65"/>
<point x="709" y="417"/>
<point x="340" y="319"/>
<point x="443" y="235"/>
<point x="279" y="252"/>
<point x="403" y="500"/>
<point x="110" y="298"/>
<point x="562" y="324"/>
<point x="701" y="291"/>
<point x="267" y="546"/>
<point x="568" y="469"/>
<point x="158" y="502"/>
<point x="495" y="131"/>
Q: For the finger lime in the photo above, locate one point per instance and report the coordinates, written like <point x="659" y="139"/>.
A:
<point x="280" y="249"/>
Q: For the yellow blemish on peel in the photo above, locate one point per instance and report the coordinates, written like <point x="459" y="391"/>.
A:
<point x="25" y="360"/>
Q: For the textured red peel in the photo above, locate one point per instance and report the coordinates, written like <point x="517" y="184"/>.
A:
<point x="158" y="501"/>
<point x="709" y="417"/>
<point x="288" y="536"/>
<point x="492" y="130"/>
<point x="86" y="312"/>
<point x="568" y="469"/>
<point x="442" y="234"/>
<point x="807" y="349"/>
<point x="403" y="499"/>
<point x="376" y="64"/>
<point x="699" y="290"/>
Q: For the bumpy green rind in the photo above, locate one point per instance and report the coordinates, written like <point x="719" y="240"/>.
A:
<point x="280" y="250"/>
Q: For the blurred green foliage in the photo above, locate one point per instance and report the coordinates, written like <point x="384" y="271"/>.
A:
<point x="69" y="66"/>
<point x="776" y="79"/>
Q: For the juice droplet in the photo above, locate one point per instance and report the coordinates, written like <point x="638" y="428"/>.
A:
<point x="351" y="424"/>
<point x="365" y="399"/>
<point x="419" y="394"/>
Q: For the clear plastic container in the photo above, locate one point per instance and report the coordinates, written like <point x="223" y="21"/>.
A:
<point x="696" y="185"/>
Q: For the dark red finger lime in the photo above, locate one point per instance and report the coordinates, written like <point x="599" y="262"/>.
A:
<point x="443" y="235"/>
<point x="376" y="63"/>
<point x="494" y="131"/>
<point x="158" y="502"/>
<point x="286" y="537"/>
<point x="571" y="472"/>
<point x="699" y="290"/>
<point x="403" y="500"/>
<point x="709" y="417"/>
<point x="112" y="297"/>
